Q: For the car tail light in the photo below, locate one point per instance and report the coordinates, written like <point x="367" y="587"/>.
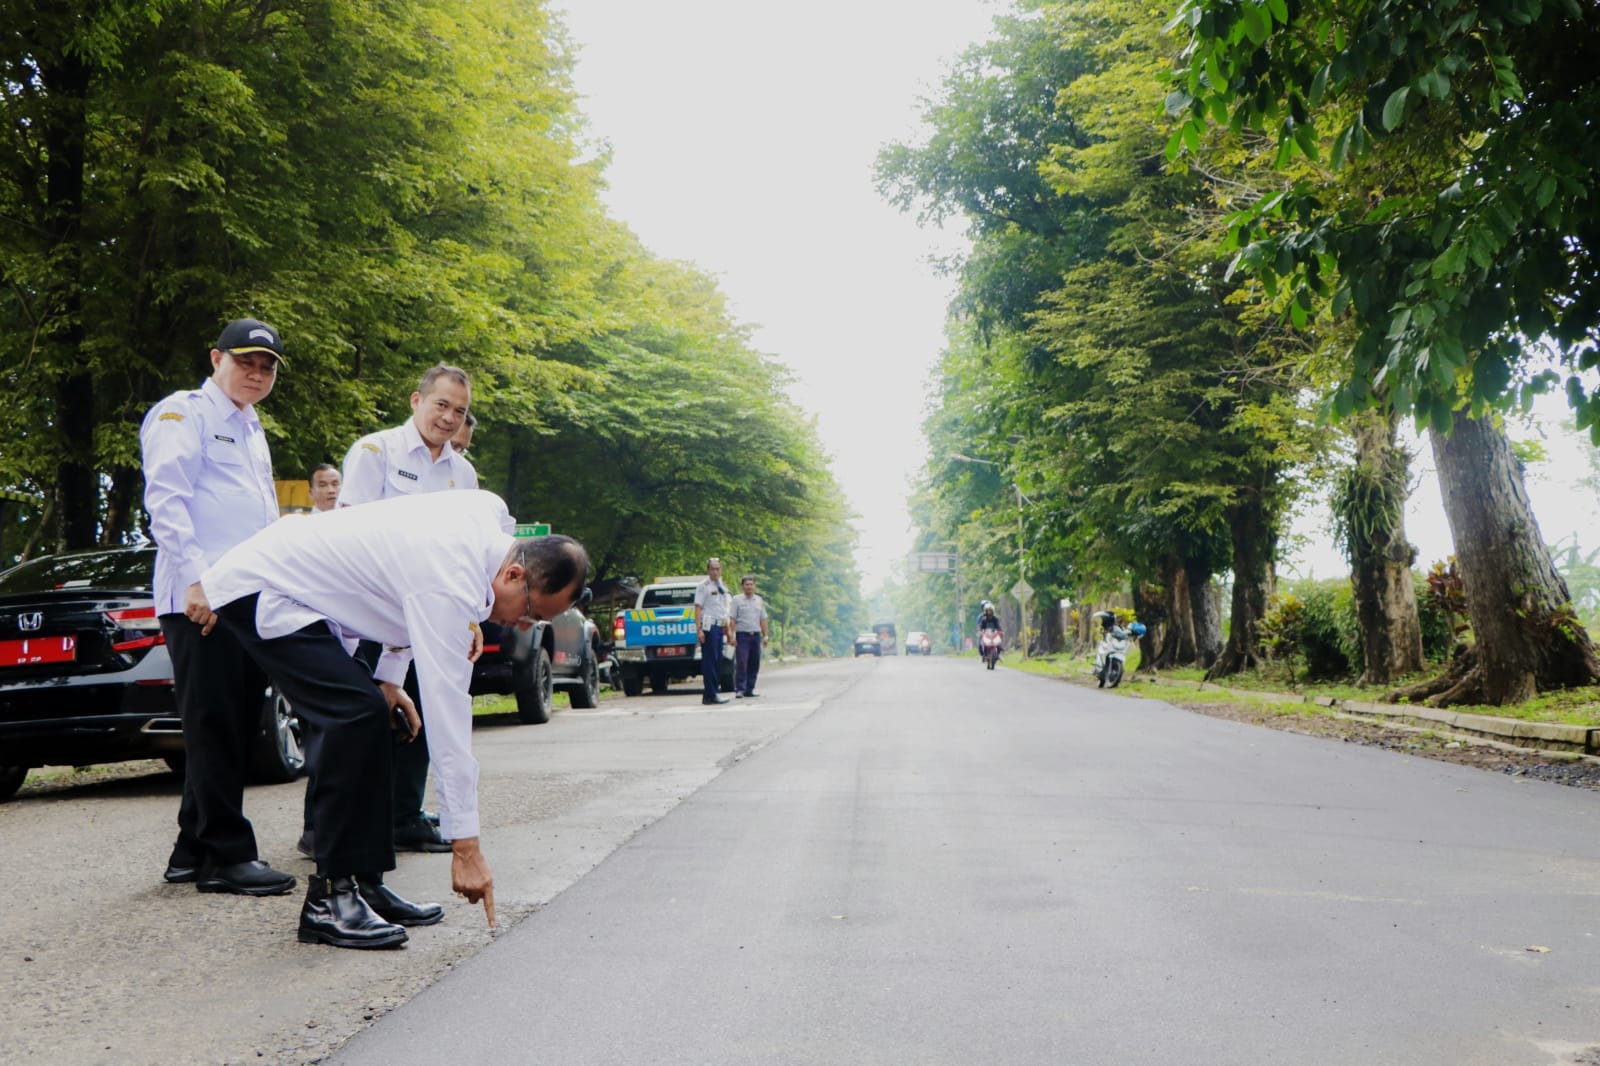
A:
<point x="137" y="627"/>
<point x="619" y="628"/>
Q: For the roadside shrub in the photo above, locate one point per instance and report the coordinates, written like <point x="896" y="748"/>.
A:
<point x="1280" y="630"/>
<point x="1330" y="644"/>
<point x="1438" y="614"/>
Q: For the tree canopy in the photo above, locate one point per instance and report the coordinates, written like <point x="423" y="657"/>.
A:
<point x="392" y="186"/>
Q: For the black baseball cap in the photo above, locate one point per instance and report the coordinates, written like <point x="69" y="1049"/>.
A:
<point x="250" y="335"/>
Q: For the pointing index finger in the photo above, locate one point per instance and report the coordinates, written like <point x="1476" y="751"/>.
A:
<point x="488" y="904"/>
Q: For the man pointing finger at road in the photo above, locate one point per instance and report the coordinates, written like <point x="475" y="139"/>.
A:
<point x="417" y="578"/>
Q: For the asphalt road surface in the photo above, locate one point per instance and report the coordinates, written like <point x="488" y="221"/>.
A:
<point x="945" y="865"/>
<point x="899" y="861"/>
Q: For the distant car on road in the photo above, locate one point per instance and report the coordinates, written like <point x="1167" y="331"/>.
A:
<point x="868" y="644"/>
<point x="85" y="677"/>
<point x="917" y="643"/>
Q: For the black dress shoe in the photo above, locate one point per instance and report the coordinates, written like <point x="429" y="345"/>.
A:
<point x="751" y="695"/>
<point x="334" y="913"/>
<point x="714" y="700"/>
<point x="431" y="816"/>
<point x="253" y="878"/>
<point x="419" y="835"/>
<point x="391" y="908"/>
<point x="180" y="875"/>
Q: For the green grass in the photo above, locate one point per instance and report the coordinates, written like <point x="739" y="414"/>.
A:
<point x="482" y="705"/>
<point x="1579" y="706"/>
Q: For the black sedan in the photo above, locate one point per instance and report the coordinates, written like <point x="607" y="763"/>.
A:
<point x="85" y="677"/>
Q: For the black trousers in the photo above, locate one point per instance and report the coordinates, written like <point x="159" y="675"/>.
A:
<point x="346" y="724"/>
<point x="410" y="756"/>
<point x="219" y="692"/>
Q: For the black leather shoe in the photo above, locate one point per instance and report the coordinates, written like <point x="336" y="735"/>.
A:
<point x="751" y="695"/>
<point x="431" y="816"/>
<point x="180" y="875"/>
<point x="334" y="913"/>
<point x="253" y="878"/>
<point x="391" y="908"/>
<point x="419" y="835"/>
<point x="714" y="700"/>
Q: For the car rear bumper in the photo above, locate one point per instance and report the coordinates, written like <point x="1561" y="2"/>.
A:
<point x="85" y="739"/>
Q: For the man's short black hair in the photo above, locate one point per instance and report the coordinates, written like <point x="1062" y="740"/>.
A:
<point x="311" y="478"/>
<point x="554" y="563"/>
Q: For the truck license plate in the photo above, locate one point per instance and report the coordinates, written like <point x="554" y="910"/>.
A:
<point x="671" y="651"/>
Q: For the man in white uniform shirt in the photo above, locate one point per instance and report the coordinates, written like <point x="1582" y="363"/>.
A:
<point x="413" y="458"/>
<point x="711" y="608"/>
<point x="208" y="486"/>
<point x="419" y="579"/>
<point x="750" y="633"/>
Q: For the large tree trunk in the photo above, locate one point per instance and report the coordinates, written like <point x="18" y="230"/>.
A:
<point x="1372" y="501"/>
<point x="65" y="77"/>
<point x="1528" y="639"/>
<point x="1205" y="613"/>
<point x="1149" y="608"/>
<point x="122" y="505"/>
<point x="1252" y="584"/>
<point x="1177" y="634"/>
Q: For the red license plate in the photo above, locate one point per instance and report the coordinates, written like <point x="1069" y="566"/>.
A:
<point x="37" y="650"/>
<point x="671" y="651"/>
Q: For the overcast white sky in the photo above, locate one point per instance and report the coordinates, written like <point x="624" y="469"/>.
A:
<point x="743" y="134"/>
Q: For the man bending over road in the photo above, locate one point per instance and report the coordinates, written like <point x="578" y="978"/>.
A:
<point x="418" y="578"/>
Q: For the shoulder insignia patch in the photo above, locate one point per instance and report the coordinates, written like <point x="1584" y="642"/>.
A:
<point x="170" y="416"/>
<point x="371" y="447"/>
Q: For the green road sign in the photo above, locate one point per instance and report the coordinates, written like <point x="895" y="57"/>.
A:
<point x="531" y="529"/>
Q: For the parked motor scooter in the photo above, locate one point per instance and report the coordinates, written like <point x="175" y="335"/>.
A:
<point x="990" y="644"/>
<point x="1111" y="656"/>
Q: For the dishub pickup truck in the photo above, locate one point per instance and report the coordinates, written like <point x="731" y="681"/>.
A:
<point x="656" y="640"/>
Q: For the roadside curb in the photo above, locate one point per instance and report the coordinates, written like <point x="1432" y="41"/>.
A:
<point x="1553" y="737"/>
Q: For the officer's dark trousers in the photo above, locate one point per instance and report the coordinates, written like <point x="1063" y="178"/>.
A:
<point x="747" y="656"/>
<point x="410" y="756"/>
<point x="346" y="725"/>
<point x="711" y="661"/>
<point x="410" y="761"/>
<point x="219" y="690"/>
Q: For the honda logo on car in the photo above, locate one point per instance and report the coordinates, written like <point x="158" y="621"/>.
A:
<point x="29" y="622"/>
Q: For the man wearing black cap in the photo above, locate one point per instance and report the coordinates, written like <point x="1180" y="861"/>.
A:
<point x="208" y="486"/>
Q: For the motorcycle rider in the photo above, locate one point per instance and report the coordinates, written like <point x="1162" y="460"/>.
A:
<point x="988" y="620"/>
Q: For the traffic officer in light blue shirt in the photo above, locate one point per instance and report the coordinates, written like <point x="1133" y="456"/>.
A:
<point x="208" y="486"/>
<point x="713" y="607"/>
<point x="412" y="458"/>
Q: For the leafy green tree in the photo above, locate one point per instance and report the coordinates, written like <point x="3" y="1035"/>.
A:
<point x="1127" y="390"/>
<point x="1457" y="243"/>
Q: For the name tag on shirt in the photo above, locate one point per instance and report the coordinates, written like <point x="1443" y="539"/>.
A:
<point x="408" y="474"/>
